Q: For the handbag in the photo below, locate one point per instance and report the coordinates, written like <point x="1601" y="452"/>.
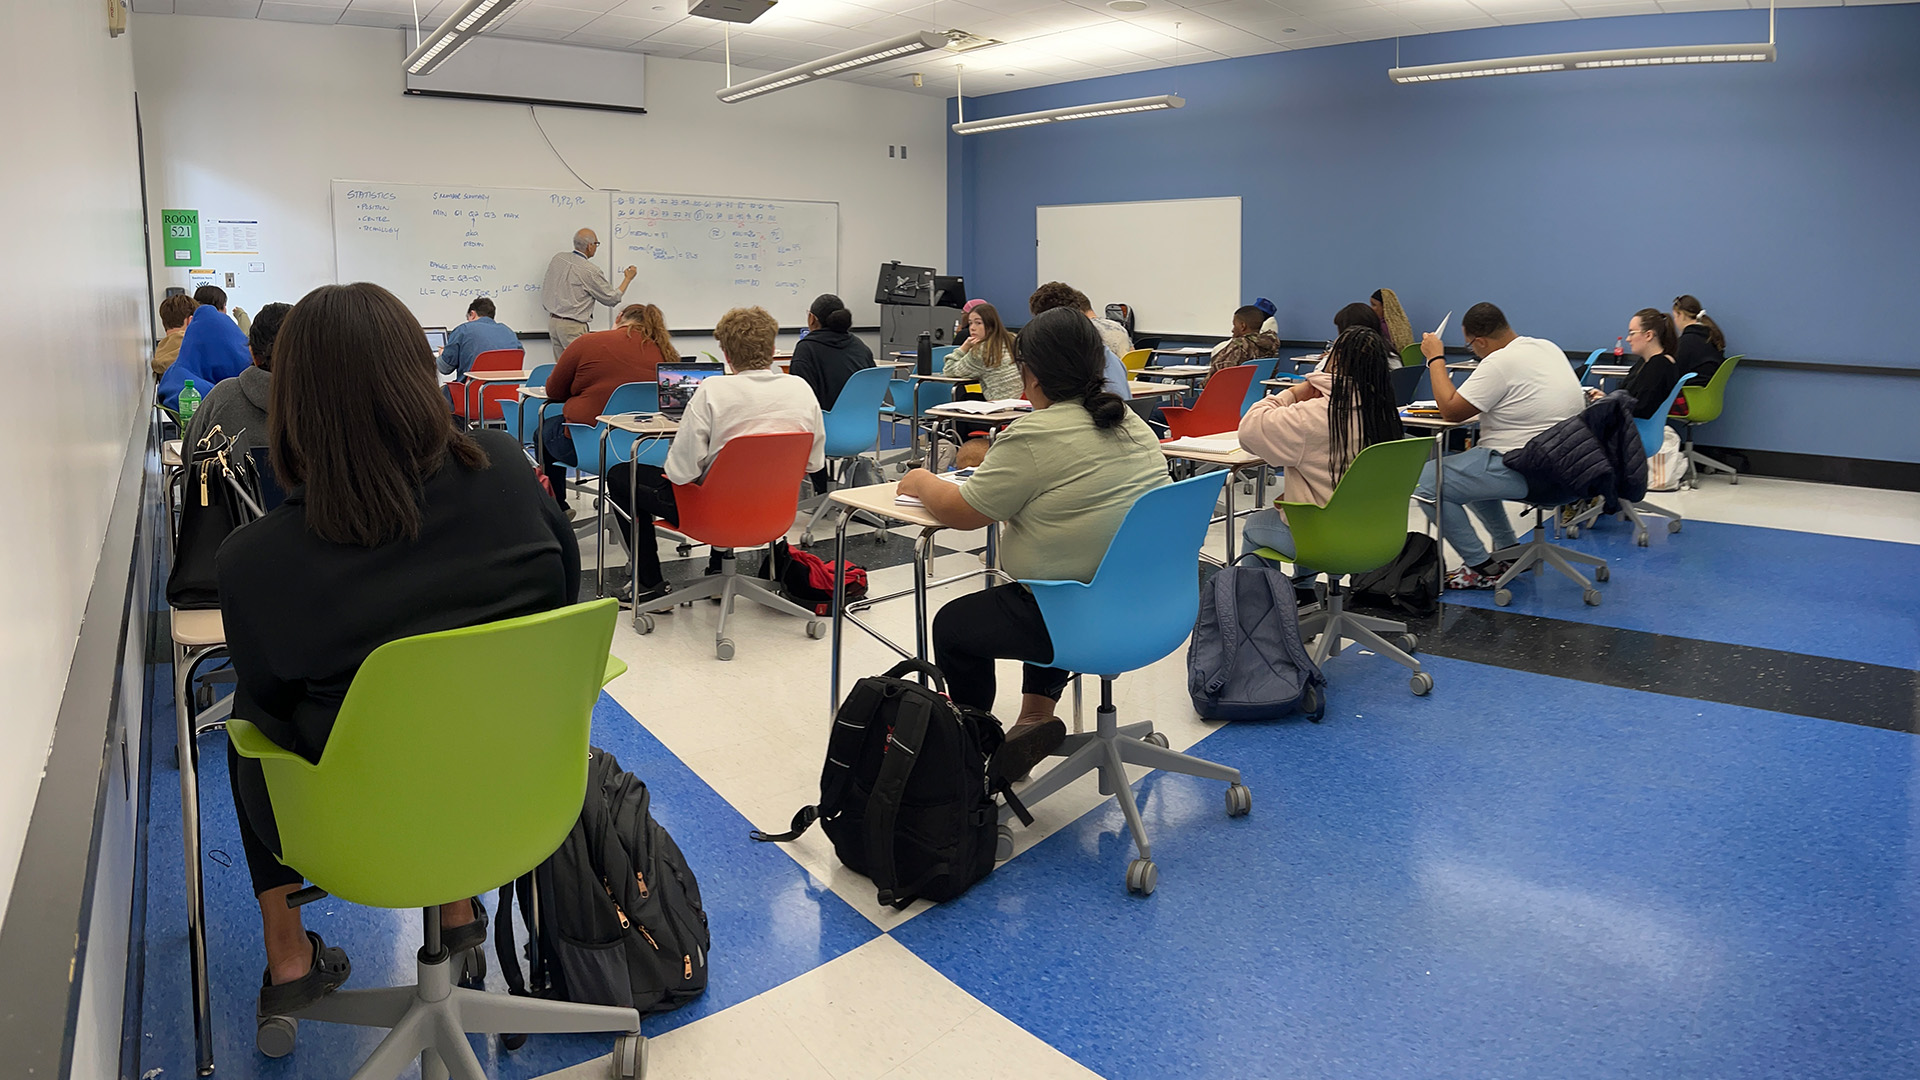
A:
<point x="220" y="491"/>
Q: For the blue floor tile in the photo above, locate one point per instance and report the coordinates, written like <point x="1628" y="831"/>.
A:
<point x="770" y="922"/>
<point x="1800" y="592"/>
<point x="1519" y="876"/>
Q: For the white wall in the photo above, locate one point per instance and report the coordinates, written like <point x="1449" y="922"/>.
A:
<point x="73" y="301"/>
<point x="251" y="119"/>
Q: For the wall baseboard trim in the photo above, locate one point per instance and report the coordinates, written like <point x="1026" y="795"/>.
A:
<point x="1853" y="472"/>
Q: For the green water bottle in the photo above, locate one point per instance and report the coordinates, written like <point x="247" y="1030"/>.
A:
<point x="189" y="401"/>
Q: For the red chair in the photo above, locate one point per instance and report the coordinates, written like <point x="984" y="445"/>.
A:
<point x="1218" y="409"/>
<point x="481" y="401"/>
<point x="749" y="498"/>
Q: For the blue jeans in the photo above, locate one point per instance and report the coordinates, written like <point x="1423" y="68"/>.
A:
<point x="1266" y="528"/>
<point x="556" y="451"/>
<point x="1479" y="481"/>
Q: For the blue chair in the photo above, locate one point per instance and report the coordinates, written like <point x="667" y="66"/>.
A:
<point x="940" y="355"/>
<point x="1262" y="371"/>
<point x="510" y="409"/>
<point x="1139" y="607"/>
<point x="931" y="394"/>
<point x="1587" y="377"/>
<point x="1651" y="433"/>
<point x="537" y="375"/>
<point x="853" y="428"/>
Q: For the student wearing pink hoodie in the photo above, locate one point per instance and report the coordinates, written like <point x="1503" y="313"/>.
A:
<point x="1316" y="429"/>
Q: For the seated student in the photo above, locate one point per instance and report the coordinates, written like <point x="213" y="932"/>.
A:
<point x="986" y="355"/>
<point x="1112" y="334"/>
<point x="480" y="333"/>
<point x="1272" y="322"/>
<point x="1701" y="347"/>
<point x="1248" y="342"/>
<point x="216" y="297"/>
<point x="826" y="357"/>
<point x="1650" y="335"/>
<point x="1055" y="294"/>
<point x="399" y="525"/>
<point x="1060" y="480"/>
<point x="176" y="312"/>
<point x="211" y="350"/>
<point x="1314" y="430"/>
<point x="752" y="399"/>
<point x="1522" y="387"/>
<point x="590" y="369"/>
<point x="239" y="405"/>
<point x="1393" y="322"/>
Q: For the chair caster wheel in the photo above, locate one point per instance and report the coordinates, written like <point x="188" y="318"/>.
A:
<point x="1142" y="876"/>
<point x="1003" y="844"/>
<point x="806" y="539"/>
<point x="1592" y="597"/>
<point x="1734" y="479"/>
<point x="1158" y="739"/>
<point x="1239" y="802"/>
<point x="646" y="624"/>
<point x="1603" y="573"/>
<point x="1573" y="532"/>
<point x="1408" y="643"/>
<point x="512" y="1042"/>
<point x="1673" y="526"/>
<point x="471" y="968"/>
<point x="816" y="629"/>
<point x="683" y="550"/>
<point x="1502" y="597"/>
<point x="1640" y="538"/>
<point x="275" y="1035"/>
<point x="723" y="648"/>
<point x="1421" y="684"/>
<point x="629" y="1057"/>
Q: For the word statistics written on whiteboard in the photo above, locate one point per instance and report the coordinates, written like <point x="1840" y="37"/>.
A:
<point x="701" y="255"/>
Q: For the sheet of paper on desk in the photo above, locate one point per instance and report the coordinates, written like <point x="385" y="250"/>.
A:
<point x="1217" y="444"/>
<point x="983" y="408"/>
<point x="956" y="478"/>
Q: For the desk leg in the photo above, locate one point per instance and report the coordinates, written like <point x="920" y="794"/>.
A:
<point x="1439" y="507"/>
<point x="600" y="522"/>
<point x="188" y="751"/>
<point x="913" y="432"/>
<point x="633" y="523"/>
<point x="1233" y="481"/>
<point x="922" y="553"/>
<point x="839" y="612"/>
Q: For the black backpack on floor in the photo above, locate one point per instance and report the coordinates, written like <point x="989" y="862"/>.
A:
<point x="1410" y="584"/>
<point x="905" y="794"/>
<point x="619" y="915"/>
<point x="1245" y="660"/>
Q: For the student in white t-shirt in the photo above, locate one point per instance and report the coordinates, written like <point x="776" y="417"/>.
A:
<point x="1522" y="387"/>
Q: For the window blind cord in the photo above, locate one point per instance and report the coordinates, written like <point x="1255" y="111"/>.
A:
<point x="531" y="111"/>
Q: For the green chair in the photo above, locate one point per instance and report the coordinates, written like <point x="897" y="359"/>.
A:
<point x="1705" y="403"/>
<point x="1411" y="357"/>
<point x="1362" y="528"/>
<point x="377" y="822"/>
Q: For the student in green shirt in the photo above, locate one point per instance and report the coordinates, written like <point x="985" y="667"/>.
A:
<point x="1059" y="481"/>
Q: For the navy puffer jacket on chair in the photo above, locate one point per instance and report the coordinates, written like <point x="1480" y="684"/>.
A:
<point x="1595" y="453"/>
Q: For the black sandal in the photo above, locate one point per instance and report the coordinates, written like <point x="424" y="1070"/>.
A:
<point x="468" y="935"/>
<point x="330" y="969"/>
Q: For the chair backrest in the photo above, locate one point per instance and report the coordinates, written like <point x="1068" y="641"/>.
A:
<point x="940" y="354"/>
<point x="1143" y="599"/>
<point x="1136" y="360"/>
<point x="1410" y="357"/>
<point x="1705" y="403"/>
<point x="481" y="401"/>
<point x="1262" y="371"/>
<point x="853" y="424"/>
<point x="633" y="397"/>
<point x="537" y="375"/>
<point x="510" y="412"/>
<point x="1218" y="409"/>
<point x="1653" y="432"/>
<point x="371" y="823"/>
<point x="930" y="395"/>
<point x="1406" y="383"/>
<point x="751" y="492"/>
<point x="586" y="447"/>
<point x="1587" y="377"/>
<point x="1364" y="525"/>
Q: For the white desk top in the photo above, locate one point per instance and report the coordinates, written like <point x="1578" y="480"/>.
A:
<point x="1154" y="389"/>
<point x="1184" y="350"/>
<point x="640" y="423"/>
<point x="1179" y="371"/>
<point x="538" y="393"/>
<point x="955" y="379"/>
<point x="1281" y="382"/>
<point x="1611" y="371"/>
<point x="948" y="412"/>
<point x="878" y="499"/>
<point x="1433" y="423"/>
<point x="1237" y="459"/>
<point x="202" y="626"/>
<point x="170" y="452"/>
<point x="497" y="376"/>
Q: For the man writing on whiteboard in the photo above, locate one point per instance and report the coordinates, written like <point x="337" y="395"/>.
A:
<point x="573" y="286"/>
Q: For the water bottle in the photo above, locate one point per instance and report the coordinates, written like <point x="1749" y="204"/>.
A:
<point x="923" y="354"/>
<point x="1619" y="346"/>
<point x="189" y="401"/>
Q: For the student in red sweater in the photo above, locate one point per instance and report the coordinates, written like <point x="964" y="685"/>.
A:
<point x="588" y="373"/>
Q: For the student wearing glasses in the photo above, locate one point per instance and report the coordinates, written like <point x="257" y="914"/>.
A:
<point x="1651" y="338"/>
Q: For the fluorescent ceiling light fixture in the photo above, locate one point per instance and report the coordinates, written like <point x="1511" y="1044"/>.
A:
<point x="1071" y="112"/>
<point x="460" y="28"/>
<point x="891" y="49"/>
<point x="1762" y="52"/>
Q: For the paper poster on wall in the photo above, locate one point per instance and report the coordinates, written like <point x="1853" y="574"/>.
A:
<point x="180" y="236"/>
<point x="227" y="236"/>
<point x="199" y="277"/>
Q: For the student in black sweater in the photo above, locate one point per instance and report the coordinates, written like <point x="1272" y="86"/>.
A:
<point x="395" y="524"/>
<point x="1650" y="335"/>
<point x="827" y="357"/>
<point x="1702" y="346"/>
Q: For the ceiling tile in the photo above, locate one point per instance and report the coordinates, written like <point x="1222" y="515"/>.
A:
<point x="617" y="27"/>
<point x="1516" y="18"/>
<point x="698" y="33"/>
<point x="1603" y="9"/>
<point x="530" y="33"/>
<point x="545" y="17"/>
<point x="153" y="7"/>
<point x="1238" y="12"/>
<point x="237" y="9"/>
<point x="301" y="13"/>
<point x="1529" y="7"/>
<point x="1704" y="5"/>
<point x="392" y="20"/>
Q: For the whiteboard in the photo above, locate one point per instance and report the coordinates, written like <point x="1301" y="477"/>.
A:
<point x="700" y="255"/>
<point x="436" y="246"/>
<point x="1176" y="261"/>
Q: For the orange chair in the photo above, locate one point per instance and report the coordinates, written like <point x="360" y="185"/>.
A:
<point x="481" y="401"/>
<point x="1217" y="410"/>
<point x="750" y="497"/>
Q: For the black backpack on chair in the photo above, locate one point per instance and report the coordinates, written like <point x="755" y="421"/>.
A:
<point x="905" y="794"/>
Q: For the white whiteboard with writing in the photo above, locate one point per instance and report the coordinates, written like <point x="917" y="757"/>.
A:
<point x="436" y="246"/>
<point x="699" y="255"/>
<point x="1176" y="261"/>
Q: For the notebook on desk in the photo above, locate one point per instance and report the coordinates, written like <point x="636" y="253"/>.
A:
<point x="677" y="382"/>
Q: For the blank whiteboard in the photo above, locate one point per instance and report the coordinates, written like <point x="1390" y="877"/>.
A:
<point x="436" y="246"/>
<point x="1176" y="261"/>
<point x="699" y="255"/>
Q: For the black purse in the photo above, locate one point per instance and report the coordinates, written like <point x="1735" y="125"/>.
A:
<point x="220" y="491"/>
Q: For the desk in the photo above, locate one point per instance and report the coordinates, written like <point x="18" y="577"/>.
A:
<point x="913" y="409"/>
<point x="199" y="636"/>
<point x="640" y="425"/>
<point x="1236" y="462"/>
<point x="1179" y="371"/>
<point x="483" y="379"/>
<point x="1184" y="350"/>
<point x="538" y="395"/>
<point x="1283" y="382"/>
<point x="1439" y="427"/>
<point x="1603" y="372"/>
<point x="1001" y="416"/>
<point x="1154" y="389"/>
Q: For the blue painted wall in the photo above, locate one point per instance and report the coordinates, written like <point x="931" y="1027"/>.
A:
<point x="1785" y="195"/>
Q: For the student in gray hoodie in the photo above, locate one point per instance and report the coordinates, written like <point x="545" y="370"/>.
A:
<point x="239" y="405"/>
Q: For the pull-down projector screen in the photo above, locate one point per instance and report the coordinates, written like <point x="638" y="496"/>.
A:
<point x="1176" y="261"/>
<point x="538" y="73"/>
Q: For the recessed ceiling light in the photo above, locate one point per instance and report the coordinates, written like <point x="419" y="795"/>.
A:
<point x="1128" y="6"/>
<point x="1288" y="30"/>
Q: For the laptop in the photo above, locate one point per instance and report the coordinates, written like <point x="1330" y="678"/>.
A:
<point x="436" y="338"/>
<point x="677" y="383"/>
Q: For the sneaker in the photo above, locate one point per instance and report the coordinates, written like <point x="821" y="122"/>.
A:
<point x="1468" y="577"/>
<point x="1027" y="745"/>
<point x="647" y="595"/>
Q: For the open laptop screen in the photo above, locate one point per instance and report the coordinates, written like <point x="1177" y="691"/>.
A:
<point x="678" y="382"/>
<point x="436" y="338"/>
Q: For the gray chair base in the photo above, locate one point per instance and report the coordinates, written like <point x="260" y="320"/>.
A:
<point x="1329" y="627"/>
<point x="1108" y="750"/>
<point x="1697" y="461"/>
<point x="850" y="475"/>
<point x="1633" y="513"/>
<point x="1535" y="552"/>
<point x="726" y="587"/>
<point x="428" y="1022"/>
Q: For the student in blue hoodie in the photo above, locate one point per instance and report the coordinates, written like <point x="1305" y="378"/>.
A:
<point x="213" y="349"/>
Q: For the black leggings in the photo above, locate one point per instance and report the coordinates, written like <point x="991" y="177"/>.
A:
<point x="1003" y="622"/>
<point x="653" y="498"/>
<point x="259" y="833"/>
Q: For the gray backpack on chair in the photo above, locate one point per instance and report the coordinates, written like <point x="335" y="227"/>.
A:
<point x="1245" y="661"/>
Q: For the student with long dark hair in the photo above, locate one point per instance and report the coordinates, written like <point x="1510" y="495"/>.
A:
<point x="1060" y="481"/>
<point x="1316" y="429"/>
<point x="395" y="524"/>
<point x="1701" y="346"/>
